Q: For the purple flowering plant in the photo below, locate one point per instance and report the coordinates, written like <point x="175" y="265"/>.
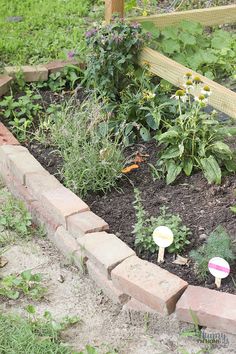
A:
<point x="112" y="55"/>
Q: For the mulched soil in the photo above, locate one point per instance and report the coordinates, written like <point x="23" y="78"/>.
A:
<point x="201" y="206"/>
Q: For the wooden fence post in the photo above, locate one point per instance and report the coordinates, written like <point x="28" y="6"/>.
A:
<point x="112" y="7"/>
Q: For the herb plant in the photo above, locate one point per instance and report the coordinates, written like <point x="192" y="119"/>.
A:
<point x="112" y="55"/>
<point x="145" y="225"/>
<point x="218" y="244"/>
<point x="194" y="140"/>
<point x="92" y="159"/>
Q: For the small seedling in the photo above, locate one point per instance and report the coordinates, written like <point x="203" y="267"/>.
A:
<point x="26" y="283"/>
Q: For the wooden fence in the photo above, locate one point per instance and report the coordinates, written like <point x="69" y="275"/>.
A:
<point x="222" y="98"/>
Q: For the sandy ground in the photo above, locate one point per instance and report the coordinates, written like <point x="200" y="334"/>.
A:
<point x="103" y="324"/>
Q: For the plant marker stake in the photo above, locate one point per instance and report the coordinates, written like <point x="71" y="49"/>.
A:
<point x="219" y="268"/>
<point x="163" y="237"/>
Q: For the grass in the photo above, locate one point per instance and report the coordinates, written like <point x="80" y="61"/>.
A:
<point x="25" y="336"/>
<point x="49" y="29"/>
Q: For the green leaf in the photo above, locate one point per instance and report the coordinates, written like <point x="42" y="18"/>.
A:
<point x="188" y="167"/>
<point x="150" y="27"/>
<point x="170" y="46"/>
<point x="145" y="134"/>
<point x="221" y="148"/>
<point x="221" y="39"/>
<point x="187" y="38"/>
<point x="233" y="208"/>
<point x="172" y="172"/>
<point x="170" y="32"/>
<point x="171" y="153"/>
<point x="211" y="169"/>
<point x="191" y="27"/>
<point x="167" y="136"/>
<point x="151" y="122"/>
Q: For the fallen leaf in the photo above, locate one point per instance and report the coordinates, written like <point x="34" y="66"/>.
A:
<point x="3" y="262"/>
<point x="138" y="158"/>
<point x="181" y="260"/>
<point x="130" y="168"/>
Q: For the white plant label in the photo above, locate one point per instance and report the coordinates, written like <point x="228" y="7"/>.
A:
<point x="219" y="268"/>
<point x="163" y="237"/>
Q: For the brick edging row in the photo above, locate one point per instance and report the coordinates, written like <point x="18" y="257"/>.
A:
<point x="82" y="235"/>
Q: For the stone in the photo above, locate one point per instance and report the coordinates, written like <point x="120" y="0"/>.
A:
<point x="106" y="285"/>
<point x="83" y="223"/>
<point x="104" y="250"/>
<point x="148" y="283"/>
<point x="30" y="73"/>
<point x="5" y="83"/>
<point x="212" y="308"/>
<point x="61" y="203"/>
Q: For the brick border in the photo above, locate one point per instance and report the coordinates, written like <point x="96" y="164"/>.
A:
<point x="80" y="234"/>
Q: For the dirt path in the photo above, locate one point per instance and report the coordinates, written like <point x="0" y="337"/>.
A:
<point x="104" y="324"/>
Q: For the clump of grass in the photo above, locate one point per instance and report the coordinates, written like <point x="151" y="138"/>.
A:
<point x="92" y="159"/>
<point x="27" y="336"/>
<point x="218" y="244"/>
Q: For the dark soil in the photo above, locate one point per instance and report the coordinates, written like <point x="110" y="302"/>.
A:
<point x="201" y="206"/>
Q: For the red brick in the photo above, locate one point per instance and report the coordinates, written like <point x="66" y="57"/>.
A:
<point x="106" y="285"/>
<point x="104" y="250"/>
<point x="59" y="65"/>
<point x="40" y="182"/>
<point x="61" y="203"/>
<point x="83" y="223"/>
<point x="20" y="166"/>
<point x="31" y="73"/>
<point x="65" y="242"/>
<point x="6" y="137"/>
<point x="212" y="308"/>
<point x="149" y="284"/>
<point x="5" y="83"/>
<point x="137" y="306"/>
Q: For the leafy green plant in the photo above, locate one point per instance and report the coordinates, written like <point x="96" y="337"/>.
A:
<point x="194" y="140"/>
<point x="58" y="81"/>
<point x="14" y="217"/>
<point x="92" y="159"/>
<point x="20" y="112"/>
<point x="26" y="283"/>
<point x="112" y="55"/>
<point x="211" y="54"/>
<point x="218" y="244"/>
<point x="145" y="225"/>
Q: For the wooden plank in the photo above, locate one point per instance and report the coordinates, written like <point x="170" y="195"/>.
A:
<point x="208" y="17"/>
<point x="112" y="7"/>
<point x="222" y="98"/>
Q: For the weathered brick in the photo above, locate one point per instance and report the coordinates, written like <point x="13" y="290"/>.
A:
<point x="104" y="250"/>
<point x="5" y="83"/>
<point x="40" y="182"/>
<point x="30" y="73"/>
<point x="83" y="223"/>
<point x="58" y="65"/>
<point x="5" y="152"/>
<point x="6" y="137"/>
<point x="117" y="296"/>
<point x="61" y="203"/>
<point x="65" y="242"/>
<point x="137" y="306"/>
<point x="212" y="308"/>
<point x="149" y="284"/>
<point x="20" y="166"/>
